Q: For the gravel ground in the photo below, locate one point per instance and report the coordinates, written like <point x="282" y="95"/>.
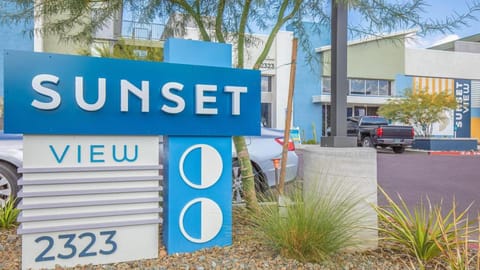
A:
<point x="247" y="252"/>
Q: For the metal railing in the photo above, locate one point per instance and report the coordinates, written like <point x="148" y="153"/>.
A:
<point x="142" y="31"/>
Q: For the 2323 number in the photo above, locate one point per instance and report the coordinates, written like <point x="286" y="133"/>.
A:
<point x="70" y="249"/>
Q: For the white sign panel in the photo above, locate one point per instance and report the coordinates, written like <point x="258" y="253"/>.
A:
<point x="87" y="199"/>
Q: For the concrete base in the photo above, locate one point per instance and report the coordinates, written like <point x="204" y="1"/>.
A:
<point x="356" y="170"/>
<point x="338" y="141"/>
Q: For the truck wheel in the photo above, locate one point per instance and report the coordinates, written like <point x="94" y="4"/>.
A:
<point x="367" y="142"/>
<point x="398" y="149"/>
<point x="8" y="182"/>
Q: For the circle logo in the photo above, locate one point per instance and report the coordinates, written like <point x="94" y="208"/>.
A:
<point x="209" y="161"/>
<point x="211" y="220"/>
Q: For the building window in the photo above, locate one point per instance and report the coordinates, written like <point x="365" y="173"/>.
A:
<point x="266" y="83"/>
<point x="362" y="87"/>
<point x="383" y="88"/>
<point x="371" y="87"/>
<point x="267" y="115"/>
<point x="326" y="85"/>
<point x="357" y="87"/>
<point x="267" y="101"/>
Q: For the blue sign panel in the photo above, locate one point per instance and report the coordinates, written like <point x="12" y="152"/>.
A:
<point x="198" y="169"/>
<point x="198" y="197"/>
<point x="463" y="110"/>
<point x="61" y="94"/>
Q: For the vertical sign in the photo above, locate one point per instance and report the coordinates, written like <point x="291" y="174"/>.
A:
<point x="463" y="109"/>
<point x="198" y="193"/>
<point x="198" y="179"/>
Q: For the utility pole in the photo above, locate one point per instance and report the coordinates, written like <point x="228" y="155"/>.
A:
<point x="338" y="136"/>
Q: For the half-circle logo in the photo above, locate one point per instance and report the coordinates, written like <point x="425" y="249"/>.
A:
<point x="208" y="213"/>
<point x="208" y="159"/>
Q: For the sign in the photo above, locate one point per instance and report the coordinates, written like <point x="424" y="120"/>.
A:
<point x="463" y="111"/>
<point x="198" y="176"/>
<point x="87" y="199"/>
<point x="199" y="199"/>
<point x="93" y="197"/>
<point x="153" y="98"/>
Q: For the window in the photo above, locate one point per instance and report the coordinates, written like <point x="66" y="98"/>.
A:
<point x="360" y="111"/>
<point x="267" y="115"/>
<point x="267" y="100"/>
<point x="326" y="85"/>
<point x="266" y="83"/>
<point x="357" y="87"/>
<point x="140" y="53"/>
<point x="383" y="88"/>
<point x="361" y="87"/>
<point x="372" y="110"/>
<point x="371" y="87"/>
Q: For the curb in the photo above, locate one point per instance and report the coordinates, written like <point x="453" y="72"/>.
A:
<point x="454" y="153"/>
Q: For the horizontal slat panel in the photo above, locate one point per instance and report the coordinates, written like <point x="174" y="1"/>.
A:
<point x="21" y="230"/>
<point x="22" y="182"/>
<point x="22" y="206"/>
<point x="21" y="218"/>
<point x="90" y="169"/>
<point x="22" y="194"/>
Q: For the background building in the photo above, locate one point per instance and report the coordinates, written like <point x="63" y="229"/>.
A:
<point x="384" y="67"/>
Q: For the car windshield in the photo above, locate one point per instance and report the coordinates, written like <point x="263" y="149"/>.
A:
<point x="374" y="121"/>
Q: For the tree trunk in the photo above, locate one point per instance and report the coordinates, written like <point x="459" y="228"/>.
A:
<point x="248" y="178"/>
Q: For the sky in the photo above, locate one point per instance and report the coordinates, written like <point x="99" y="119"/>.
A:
<point x="436" y="9"/>
<point x="439" y="9"/>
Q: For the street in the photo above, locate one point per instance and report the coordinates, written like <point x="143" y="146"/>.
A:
<point x="416" y="175"/>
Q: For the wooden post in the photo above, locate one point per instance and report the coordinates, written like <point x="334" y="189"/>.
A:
<point x="288" y="118"/>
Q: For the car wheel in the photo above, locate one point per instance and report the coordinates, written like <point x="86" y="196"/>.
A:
<point x="367" y="142"/>
<point x="237" y="184"/>
<point x="8" y="182"/>
<point x="398" y="149"/>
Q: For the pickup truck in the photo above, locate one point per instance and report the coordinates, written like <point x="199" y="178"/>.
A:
<point x="373" y="131"/>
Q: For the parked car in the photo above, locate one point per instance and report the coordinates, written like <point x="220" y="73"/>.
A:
<point x="373" y="131"/>
<point x="11" y="156"/>
<point x="262" y="150"/>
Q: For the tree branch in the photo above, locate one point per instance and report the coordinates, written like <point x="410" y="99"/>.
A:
<point x="196" y="16"/>
<point x="241" y="33"/>
<point x="280" y="22"/>
<point x="219" y="20"/>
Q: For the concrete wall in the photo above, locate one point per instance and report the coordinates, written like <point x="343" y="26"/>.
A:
<point x="376" y="59"/>
<point x="356" y="170"/>
<point x="442" y="64"/>
<point x="283" y="56"/>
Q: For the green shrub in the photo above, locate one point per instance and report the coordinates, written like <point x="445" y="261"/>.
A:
<point x="310" y="228"/>
<point x="8" y="214"/>
<point x="455" y="247"/>
<point x="423" y="233"/>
